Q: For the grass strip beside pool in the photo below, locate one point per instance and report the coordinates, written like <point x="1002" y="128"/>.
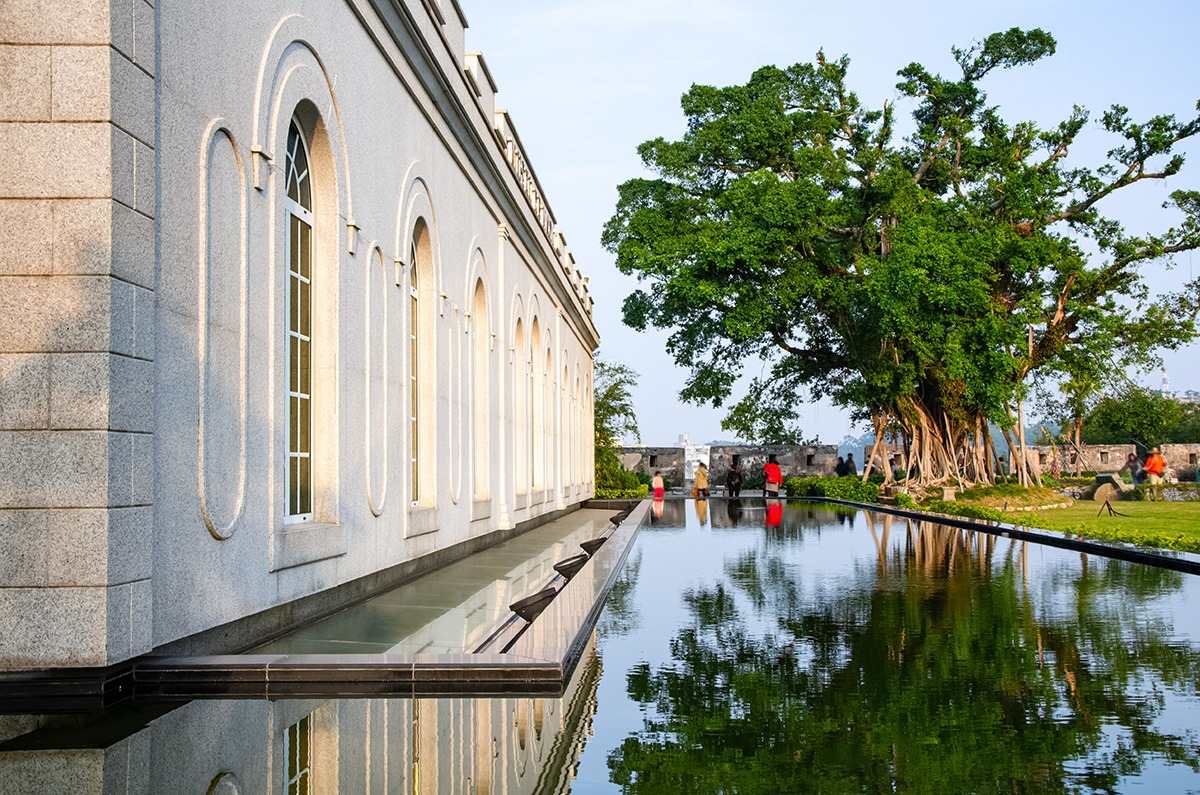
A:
<point x="1166" y="525"/>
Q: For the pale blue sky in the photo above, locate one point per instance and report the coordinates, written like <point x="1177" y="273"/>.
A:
<point x="588" y="80"/>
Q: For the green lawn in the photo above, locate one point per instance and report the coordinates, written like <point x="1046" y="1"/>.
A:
<point x="1013" y="496"/>
<point x="1171" y="525"/>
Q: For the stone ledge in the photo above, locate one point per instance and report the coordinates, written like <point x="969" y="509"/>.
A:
<point x="301" y="544"/>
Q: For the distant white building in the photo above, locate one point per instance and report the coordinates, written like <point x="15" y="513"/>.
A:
<point x="694" y="454"/>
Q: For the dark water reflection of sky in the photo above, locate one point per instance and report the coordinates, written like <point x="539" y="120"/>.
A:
<point x="845" y="652"/>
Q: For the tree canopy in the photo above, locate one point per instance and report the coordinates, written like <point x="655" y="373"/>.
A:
<point x="1143" y="418"/>
<point x="614" y="417"/>
<point x="922" y="280"/>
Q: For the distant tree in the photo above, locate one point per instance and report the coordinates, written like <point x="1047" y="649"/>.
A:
<point x="1187" y="431"/>
<point x="615" y="418"/>
<point x="1134" y="416"/>
<point x="1082" y="379"/>
<point x="922" y="281"/>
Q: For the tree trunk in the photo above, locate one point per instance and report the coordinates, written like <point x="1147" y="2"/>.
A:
<point x="878" y="420"/>
<point x="1016" y="449"/>
<point x="1078" y="423"/>
<point x="1021" y="439"/>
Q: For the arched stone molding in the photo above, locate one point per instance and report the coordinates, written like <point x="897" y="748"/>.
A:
<point x="481" y="336"/>
<point x="517" y="362"/>
<point x="577" y="423"/>
<point x="417" y="210"/>
<point x="416" y="204"/>
<point x="536" y="399"/>
<point x="568" y="433"/>
<point x="290" y="70"/>
<point x="378" y="333"/>
<point x="217" y="304"/>
<point x="300" y="89"/>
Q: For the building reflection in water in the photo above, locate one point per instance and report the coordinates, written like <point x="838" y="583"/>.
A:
<point x="474" y="746"/>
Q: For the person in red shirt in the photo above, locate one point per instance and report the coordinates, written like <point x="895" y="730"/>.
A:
<point x="1155" y="466"/>
<point x="772" y="479"/>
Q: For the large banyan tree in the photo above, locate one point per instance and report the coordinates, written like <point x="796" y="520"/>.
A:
<point x="922" y="281"/>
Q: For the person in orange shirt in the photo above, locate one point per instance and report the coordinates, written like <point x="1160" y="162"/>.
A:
<point x="1155" y="466"/>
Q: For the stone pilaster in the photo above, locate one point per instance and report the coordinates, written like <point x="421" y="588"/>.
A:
<point x="77" y="305"/>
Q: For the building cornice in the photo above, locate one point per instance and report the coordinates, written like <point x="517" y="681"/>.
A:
<point x="463" y="118"/>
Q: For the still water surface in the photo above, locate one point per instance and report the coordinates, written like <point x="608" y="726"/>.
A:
<point x="745" y="649"/>
<point x="840" y="651"/>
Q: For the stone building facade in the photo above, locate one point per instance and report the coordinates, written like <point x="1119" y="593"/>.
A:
<point x="1066" y="459"/>
<point x="648" y="460"/>
<point x="283" y="312"/>
<point x="793" y="460"/>
<point x="1182" y="457"/>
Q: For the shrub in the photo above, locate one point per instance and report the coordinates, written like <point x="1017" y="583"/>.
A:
<point x="800" y="487"/>
<point x="906" y="501"/>
<point x="999" y="490"/>
<point x="848" y="488"/>
<point x="752" y="480"/>
<point x="616" y="478"/>
<point x="645" y="478"/>
<point x="634" y="493"/>
<point x="965" y="509"/>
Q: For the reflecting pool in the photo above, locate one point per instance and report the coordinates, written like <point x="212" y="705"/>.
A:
<point x="808" y="649"/>
<point x="748" y="648"/>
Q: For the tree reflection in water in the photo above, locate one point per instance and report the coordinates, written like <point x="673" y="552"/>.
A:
<point x="940" y="669"/>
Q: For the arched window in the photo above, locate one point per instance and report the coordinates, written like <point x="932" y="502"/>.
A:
<point x="564" y="412"/>
<point x="422" y="366"/>
<point x="414" y="363"/>
<point x="581" y="434"/>
<point x="551" y="437"/>
<point x="537" y="427"/>
<point x="299" y="211"/>
<point x="520" y="412"/>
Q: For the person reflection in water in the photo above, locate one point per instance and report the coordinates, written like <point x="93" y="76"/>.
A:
<point x="702" y="511"/>
<point x="734" y="509"/>
<point x="774" y="512"/>
<point x="657" y="508"/>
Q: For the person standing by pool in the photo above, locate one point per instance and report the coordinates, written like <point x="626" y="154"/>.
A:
<point x="657" y="484"/>
<point x="840" y="469"/>
<point x="851" y="467"/>
<point x="702" y="481"/>
<point x="1131" y="466"/>
<point x="772" y="479"/>
<point x="733" y="483"/>
<point x="1155" y="466"/>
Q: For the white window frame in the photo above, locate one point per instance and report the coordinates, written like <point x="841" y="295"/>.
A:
<point x="414" y="358"/>
<point x="302" y="390"/>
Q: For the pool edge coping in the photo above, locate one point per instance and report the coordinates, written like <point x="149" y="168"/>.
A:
<point x="1176" y="560"/>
